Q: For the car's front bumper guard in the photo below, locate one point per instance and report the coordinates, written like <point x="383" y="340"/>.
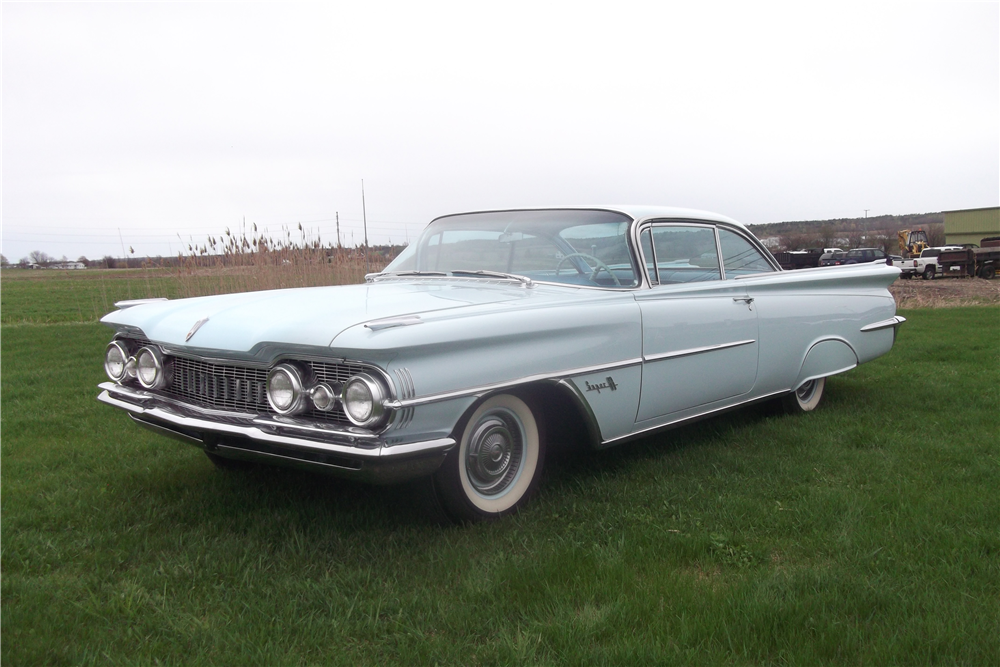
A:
<point x="346" y="451"/>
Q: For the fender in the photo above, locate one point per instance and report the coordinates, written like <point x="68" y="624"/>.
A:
<point x="824" y="358"/>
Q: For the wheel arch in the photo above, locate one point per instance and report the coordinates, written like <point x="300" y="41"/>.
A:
<point x="565" y="419"/>
<point x="824" y="358"/>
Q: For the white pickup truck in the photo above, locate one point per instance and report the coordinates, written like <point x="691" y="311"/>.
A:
<point x="925" y="266"/>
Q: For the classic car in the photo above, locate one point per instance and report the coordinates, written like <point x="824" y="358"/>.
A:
<point x="491" y="335"/>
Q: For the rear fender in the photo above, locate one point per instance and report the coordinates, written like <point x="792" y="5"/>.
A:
<point x="825" y="358"/>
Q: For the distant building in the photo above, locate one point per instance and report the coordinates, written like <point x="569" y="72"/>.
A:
<point x="67" y="265"/>
<point x="971" y="225"/>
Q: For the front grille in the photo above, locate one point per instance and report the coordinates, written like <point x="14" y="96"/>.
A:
<point x="219" y="386"/>
<point x="242" y="389"/>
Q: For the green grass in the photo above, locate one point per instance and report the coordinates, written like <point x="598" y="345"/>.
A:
<point x="47" y="297"/>
<point x="867" y="532"/>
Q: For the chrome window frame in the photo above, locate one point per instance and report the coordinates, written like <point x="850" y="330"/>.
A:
<point x="648" y="224"/>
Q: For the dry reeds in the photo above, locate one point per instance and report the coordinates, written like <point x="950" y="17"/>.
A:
<point x="246" y="262"/>
<point x="945" y="293"/>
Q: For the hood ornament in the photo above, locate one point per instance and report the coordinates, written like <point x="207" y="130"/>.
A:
<point x="194" y="329"/>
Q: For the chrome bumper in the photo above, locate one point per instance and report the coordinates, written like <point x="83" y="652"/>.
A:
<point x="343" y="451"/>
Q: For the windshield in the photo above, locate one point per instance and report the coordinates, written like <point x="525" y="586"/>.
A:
<point x="575" y="247"/>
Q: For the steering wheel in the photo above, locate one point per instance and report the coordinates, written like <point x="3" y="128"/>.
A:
<point x="599" y="265"/>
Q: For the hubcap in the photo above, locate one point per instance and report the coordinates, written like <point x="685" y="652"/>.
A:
<point x="805" y="392"/>
<point x="496" y="449"/>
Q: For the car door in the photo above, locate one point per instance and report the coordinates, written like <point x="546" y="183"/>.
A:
<point x="699" y="330"/>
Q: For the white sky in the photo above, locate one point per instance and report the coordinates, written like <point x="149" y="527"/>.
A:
<point x="159" y="120"/>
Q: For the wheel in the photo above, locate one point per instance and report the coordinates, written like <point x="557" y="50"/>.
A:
<point x="929" y="273"/>
<point x="806" y="397"/>
<point x="496" y="466"/>
<point x="906" y="276"/>
<point x="988" y="272"/>
<point x="598" y="266"/>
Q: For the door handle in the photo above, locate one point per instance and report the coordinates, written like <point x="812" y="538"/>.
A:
<point x="748" y="300"/>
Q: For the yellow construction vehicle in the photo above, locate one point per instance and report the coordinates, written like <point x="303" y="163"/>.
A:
<point x="911" y="243"/>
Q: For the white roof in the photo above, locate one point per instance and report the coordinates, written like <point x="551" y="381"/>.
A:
<point x="636" y="211"/>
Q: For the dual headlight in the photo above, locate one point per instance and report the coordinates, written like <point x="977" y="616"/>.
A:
<point x="148" y="366"/>
<point x="290" y="390"/>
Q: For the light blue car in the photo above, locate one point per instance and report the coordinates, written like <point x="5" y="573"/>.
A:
<point x="493" y="334"/>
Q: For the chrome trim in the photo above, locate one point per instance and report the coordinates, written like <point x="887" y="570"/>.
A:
<point x="138" y="394"/>
<point x="194" y="329"/>
<point x="299" y="392"/>
<point x="123" y="351"/>
<point x="695" y="350"/>
<point x="390" y="322"/>
<point x="128" y="303"/>
<point x="485" y="389"/>
<point x="379" y="400"/>
<point x="162" y="370"/>
<point x="378" y="450"/>
<point x="893" y="321"/>
<point x="405" y="385"/>
<point x="680" y="422"/>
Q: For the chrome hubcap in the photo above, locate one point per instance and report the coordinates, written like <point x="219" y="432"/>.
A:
<point x="496" y="449"/>
<point x="805" y="392"/>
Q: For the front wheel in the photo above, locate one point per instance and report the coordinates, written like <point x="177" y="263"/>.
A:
<point x="497" y="464"/>
<point x="806" y="397"/>
<point x="929" y="273"/>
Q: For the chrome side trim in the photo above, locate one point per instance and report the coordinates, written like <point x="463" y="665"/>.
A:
<point x="893" y="321"/>
<point x="128" y="303"/>
<point x="377" y="450"/>
<point x="680" y="422"/>
<point x="486" y="388"/>
<point x="695" y="350"/>
<point x="390" y="322"/>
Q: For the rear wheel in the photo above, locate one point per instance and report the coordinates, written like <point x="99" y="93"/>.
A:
<point x="929" y="273"/>
<point x="988" y="272"/>
<point x="806" y="397"/>
<point x="497" y="464"/>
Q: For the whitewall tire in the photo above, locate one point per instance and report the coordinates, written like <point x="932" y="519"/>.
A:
<point x="496" y="466"/>
<point x="806" y="397"/>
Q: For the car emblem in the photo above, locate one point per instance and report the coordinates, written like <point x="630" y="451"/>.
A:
<point x="194" y="329"/>
<point x="609" y="383"/>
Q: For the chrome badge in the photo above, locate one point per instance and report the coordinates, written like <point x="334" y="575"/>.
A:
<point x="194" y="329"/>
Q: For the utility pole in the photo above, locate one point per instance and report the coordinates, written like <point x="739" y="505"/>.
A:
<point x="338" y="229"/>
<point x="364" y="218"/>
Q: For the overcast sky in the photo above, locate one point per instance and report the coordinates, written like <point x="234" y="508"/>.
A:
<point x="142" y="125"/>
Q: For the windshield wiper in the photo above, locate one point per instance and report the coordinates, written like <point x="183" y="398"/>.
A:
<point x="524" y="280"/>
<point x="400" y="274"/>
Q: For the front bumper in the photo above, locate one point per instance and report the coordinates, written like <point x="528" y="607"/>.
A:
<point x="343" y="451"/>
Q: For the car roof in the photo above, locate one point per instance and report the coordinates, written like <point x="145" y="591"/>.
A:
<point x="638" y="213"/>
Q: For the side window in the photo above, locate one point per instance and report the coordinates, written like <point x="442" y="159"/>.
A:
<point x="647" y="250"/>
<point x="740" y="257"/>
<point x="685" y="254"/>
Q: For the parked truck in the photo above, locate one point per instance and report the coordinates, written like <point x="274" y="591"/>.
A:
<point x="983" y="261"/>
<point x="926" y="266"/>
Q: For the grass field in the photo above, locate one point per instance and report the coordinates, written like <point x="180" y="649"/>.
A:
<point x="867" y="532"/>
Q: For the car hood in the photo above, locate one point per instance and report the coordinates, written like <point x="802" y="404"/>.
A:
<point x="311" y="316"/>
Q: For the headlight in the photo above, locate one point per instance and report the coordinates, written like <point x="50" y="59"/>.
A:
<point x="362" y="397"/>
<point x="115" y="359"/>
<point x="151" y="369"/>
<point x="285" y="389"/>
<point x="323" y="397"/>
